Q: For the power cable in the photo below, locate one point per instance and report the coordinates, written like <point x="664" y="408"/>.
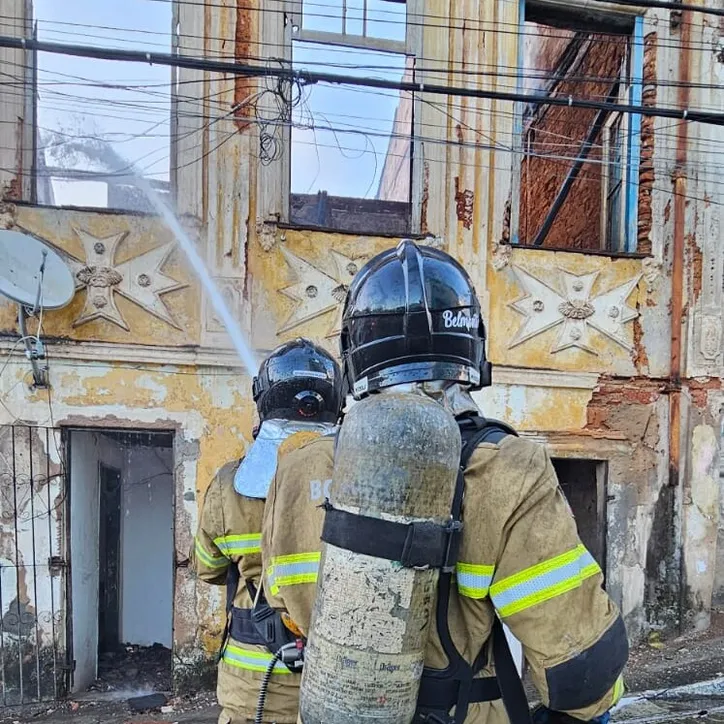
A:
<point x="602" y="37"/>
<point x="83" y="100"/>
<point x="420" y="69"/>
<point x="307" y="77"/>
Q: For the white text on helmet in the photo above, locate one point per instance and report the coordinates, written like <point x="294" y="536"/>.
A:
<point x="460" y="319"/>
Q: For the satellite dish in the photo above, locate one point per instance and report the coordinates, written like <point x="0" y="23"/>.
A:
<point x="33" y="274"/>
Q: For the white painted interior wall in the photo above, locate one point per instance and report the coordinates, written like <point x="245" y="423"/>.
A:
<point x="147" y="547"/>
<point x="87" y="450"/>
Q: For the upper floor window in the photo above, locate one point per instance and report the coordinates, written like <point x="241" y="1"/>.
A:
<point x="96" y="119"/>
<point x="351" y="147"/>
<point x="578" y="174"/>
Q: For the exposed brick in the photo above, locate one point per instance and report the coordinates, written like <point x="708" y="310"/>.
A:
<point x="560" y="131"/>
<point x="640" y="358"/>
<point x="616" y="397"/>
<point x="699" y="391"/>
<point x="464" y="199"/>
<point x="647" y="176"/>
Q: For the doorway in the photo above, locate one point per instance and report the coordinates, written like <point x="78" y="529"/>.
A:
<point x="121" y="558"/>
<point x="584" y="484"/>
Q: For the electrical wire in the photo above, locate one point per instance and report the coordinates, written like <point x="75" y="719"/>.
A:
<point x="469" y="145"/>
<point x="317" y="77"/>
<point x="410" y="19"/>
<point x="330" y="129"/>
<point x="469" y="73"/>
<point x="339" y="129"/>
<point x="267" y="46"/>
<point x="498" y="112"/>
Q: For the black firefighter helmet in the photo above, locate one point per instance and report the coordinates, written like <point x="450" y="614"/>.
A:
<point x="298" y="381"/>
<point x="412" y="315"/>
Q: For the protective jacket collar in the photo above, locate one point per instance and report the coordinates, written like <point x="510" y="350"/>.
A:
<point x="257" y="469"/>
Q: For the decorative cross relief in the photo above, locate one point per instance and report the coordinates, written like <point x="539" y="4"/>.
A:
<point x="315" y="291"/>
<point x="139" y="279"/>
<point x="574" y="309"/>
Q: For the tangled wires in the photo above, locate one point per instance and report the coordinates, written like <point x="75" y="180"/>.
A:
<point x="273" y="108"/>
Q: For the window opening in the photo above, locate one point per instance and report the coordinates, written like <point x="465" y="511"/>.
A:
<point x="94" y="118"/>
<point x="351" y="147"/>
<point x="577" y="180"/>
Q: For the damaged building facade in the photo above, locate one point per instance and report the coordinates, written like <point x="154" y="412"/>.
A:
<point x="593" y="236"/>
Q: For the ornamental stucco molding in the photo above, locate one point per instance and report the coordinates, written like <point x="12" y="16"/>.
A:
<point x="573" y="309"/>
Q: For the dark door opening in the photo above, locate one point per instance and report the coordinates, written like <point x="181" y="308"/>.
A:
<point x="122" y="559"/>
<point x="110" y="559"/>
<point x="584" y="484"/>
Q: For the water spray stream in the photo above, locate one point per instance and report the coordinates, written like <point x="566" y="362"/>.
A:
<point x="237" y="338"/>
<point x="103" y="153"/>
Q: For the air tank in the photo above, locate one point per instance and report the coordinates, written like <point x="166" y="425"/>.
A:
<point x="397" y="458"/>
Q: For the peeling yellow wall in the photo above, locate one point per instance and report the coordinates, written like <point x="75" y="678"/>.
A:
<point x="299" y="283"/>
<point x="134" y="237"/>
<point x="144" y="368"/>
<point x="555" y="270"/>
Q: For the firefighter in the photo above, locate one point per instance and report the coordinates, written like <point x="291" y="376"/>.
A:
<point x="298" y="396"/>
<point x="412" y="321"/>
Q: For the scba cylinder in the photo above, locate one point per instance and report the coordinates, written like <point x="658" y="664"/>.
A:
<point x="397" y="459"/>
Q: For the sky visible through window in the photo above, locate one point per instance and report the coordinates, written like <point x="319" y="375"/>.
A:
<point x="341" y="134"/>
<point x="82" y="102"/>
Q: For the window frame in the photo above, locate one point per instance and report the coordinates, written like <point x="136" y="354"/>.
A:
<point x="609" y="241"/>
<point x="620" y="16"/>
<point x="350" y="40"/>
<point x="50" y="172"/>
<point x="411" y="47"/>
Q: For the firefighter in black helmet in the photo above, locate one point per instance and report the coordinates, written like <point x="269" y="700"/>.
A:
<point x="298" y="395"/>
<point x="412" y="321"/>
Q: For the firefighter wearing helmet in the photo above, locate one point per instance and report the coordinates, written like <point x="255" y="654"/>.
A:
<point x="412" y="322"/>
<point x="298" y="397"/>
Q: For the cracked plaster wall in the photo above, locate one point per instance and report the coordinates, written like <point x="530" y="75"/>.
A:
<point x="208" y="410"/>
<point x="598" y="403"/>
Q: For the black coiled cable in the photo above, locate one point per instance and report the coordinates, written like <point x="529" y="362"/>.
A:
<point x="258" y="718"/>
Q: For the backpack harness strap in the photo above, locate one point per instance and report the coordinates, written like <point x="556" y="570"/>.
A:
<point x="260" y="625"/>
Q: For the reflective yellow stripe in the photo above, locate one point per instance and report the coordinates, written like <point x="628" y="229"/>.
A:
<point x="239" y="545"/>
<point x="207" y="559"/>
<point x="292" y="570"/>
<point x="251" y="660"/>
<point x="619" y="689"/>
<point x="543" y="581"/>
<point x="474" y="580"/>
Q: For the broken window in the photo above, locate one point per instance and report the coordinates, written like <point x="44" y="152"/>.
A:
<point x="96" y="120"/>
<point x="351" y="147"/>
<point x="578" y="173"/>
